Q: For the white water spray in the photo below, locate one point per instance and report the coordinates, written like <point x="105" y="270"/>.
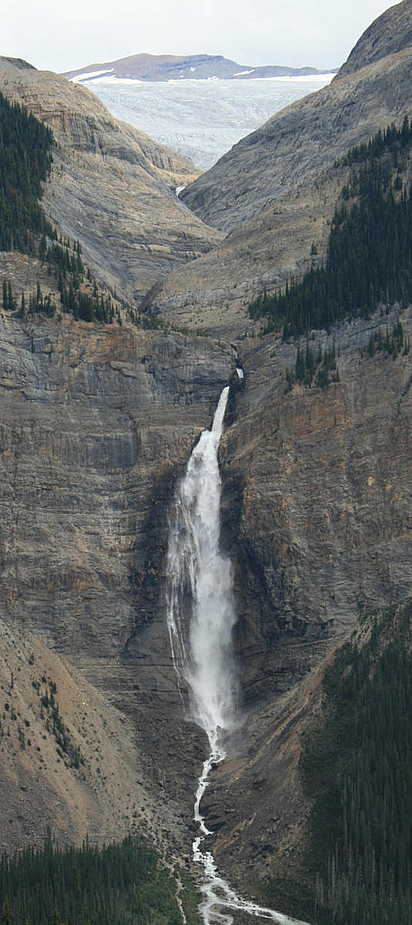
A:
<point x="200" y="617"/>
<point x="201" y="611"/>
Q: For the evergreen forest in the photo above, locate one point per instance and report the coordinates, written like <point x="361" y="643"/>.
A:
<point x="25" y="162"/>
<point x="357" y="768"/>
<point x="123" y="884"/>
<point x="369" y="254"/>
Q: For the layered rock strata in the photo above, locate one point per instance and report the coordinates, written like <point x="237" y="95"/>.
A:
<point x="96" y="424"/>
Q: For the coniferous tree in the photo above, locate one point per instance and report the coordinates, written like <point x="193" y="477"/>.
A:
<point x="369" y="256"/>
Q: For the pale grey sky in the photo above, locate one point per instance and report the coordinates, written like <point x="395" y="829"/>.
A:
<point x="61" y="36"/>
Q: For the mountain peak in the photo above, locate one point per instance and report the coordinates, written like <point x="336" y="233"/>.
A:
<point x="388" y="34"/>
<point x="19" y="63"/>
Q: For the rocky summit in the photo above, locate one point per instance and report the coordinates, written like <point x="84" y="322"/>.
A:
<point x="98" y="422"/>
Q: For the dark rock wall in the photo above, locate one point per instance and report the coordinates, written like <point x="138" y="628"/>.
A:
<point x="95" y="425"/>
<point x="317" y="501"/>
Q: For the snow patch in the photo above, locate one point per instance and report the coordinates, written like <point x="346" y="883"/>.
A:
<point x="304" y="78"/>
<point x="90" y="75"/>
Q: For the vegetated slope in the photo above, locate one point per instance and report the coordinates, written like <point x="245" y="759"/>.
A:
<point x="25" y="163"/>
<point x="357" y="767"/>
<point x="304" y="138"/>
<point x="337" y="249"/>
<point x="368" y="260"/>
<point x="111" y="187"/>
<point x="69" y="763"/>
<point x="212" y="293"/>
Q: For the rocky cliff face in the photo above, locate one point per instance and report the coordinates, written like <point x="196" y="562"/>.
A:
<point x="324" y="520"/>
<point x="317" y="518"/>
<point x="112" y="187"/>
<point x="97" y="422"/>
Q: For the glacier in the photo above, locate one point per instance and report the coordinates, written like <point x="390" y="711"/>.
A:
<point x="201" y="119"/>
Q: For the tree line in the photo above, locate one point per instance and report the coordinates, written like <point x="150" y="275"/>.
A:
<point x="25" y="163"/>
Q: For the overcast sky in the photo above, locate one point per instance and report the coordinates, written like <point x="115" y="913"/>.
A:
<point x="61" y="36"/>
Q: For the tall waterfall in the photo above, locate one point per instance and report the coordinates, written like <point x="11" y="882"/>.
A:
<point x="201" y="611"/>
<point x="201" y="616"/>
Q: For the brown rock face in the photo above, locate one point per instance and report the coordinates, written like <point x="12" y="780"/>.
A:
<point x="112" y="187"/>
<point x="324" y="477"/>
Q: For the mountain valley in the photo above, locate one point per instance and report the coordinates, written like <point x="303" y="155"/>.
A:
<point x="98" y="422"/>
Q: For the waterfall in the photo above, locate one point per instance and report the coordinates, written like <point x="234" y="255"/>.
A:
<point x="200" y="617"/>
<point x="201" y="612"/>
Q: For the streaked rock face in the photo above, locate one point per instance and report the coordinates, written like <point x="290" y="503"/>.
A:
<point x="100" y="419"/>
<point x="317" y="518"/>
<point x="97" y="422"/>
<point x="387" y="35"/>
<point x="321" y="480"/>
